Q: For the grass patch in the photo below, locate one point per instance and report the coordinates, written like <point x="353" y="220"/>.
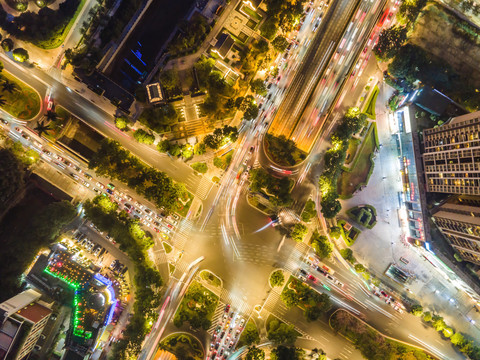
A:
<point x="200" y="167"/>
<point x="359" y="173"/>
<point x="243" y="337"/>
<point x="349" y="236"/>
<point x="210" y="278"/>
<point x="197" y="307"/>
<point x="370" y="106"/>
<point x="171" y="268"/>
<point x="352" y="150"/>
<point x="23" y="102"/>
<point x="251" y="13"/>
<point x="167" y="247"/>
<point x="183" y="205"/>
<point x="183" y="346"/>
<point x="56" y="126"/>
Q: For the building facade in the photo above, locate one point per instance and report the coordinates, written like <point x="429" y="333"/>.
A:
<point x="459" y="221"/>
<point x="452" y="156"/>
<point x="23" y="319"/>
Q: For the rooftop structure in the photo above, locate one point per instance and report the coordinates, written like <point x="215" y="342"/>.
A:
<point x="452" y="156"/>
<point x="155" y="94"/>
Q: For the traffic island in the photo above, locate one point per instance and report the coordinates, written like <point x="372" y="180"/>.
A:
<point x="197" y="307"/>
<point x="17" y="98"/>
<point x="283" y="151"/>
<point x="348" y="232"/>
<point x="372" y="343"/>
<point x="210" y="278"/>
<point x="182" y="345"/>
<point x="365" y="215"/>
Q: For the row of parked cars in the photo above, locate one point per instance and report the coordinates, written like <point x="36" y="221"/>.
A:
<point x="90" y="246"/>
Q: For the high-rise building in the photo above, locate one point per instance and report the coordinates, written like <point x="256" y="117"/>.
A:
<point x="452" y="156"/>
<point x="459" y="221"/>
<point x="22" y="320"/>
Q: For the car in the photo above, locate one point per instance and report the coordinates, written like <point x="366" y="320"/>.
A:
<point x="321" y="271"/>
<point x="25" y="136"/>
<point x="156" y="223"/>
<point x="100" y="185"/>
<point x="109" y="191"/>
<point x="221" y="352"/>
<point x="225" y="316"/>
<point x="86" y="184"/>
<point x="312" y="278"/>
<point x="128" y="197"/>
<point x="176" y="217"/>
<point x="4" y="121"/>
<point x="231" y="315"/>
<point x="227" y="308"/>
<point x="88" y="176"/>
<point x="230" y="345"/>
<point x="170" y="226"/>
<point x="148" y="218"/>
<point x="111" y="186"/>
<point x="166" y="230"/>
<point x="303" y="272"/>
<point x="127" y="206"/>
<point x="242" y="322"/>
<point x="136" y="217"/>
<point x="147" y="211"/>
<point x="77" y="169"/>
<point x="96" y="190"/>
<point x="222" y="334"/>
<point x="217" y="345"/>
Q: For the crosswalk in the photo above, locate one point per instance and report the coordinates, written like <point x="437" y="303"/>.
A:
<point x="236" y="304"/>
<point x="183" y="233"/>
<point x="200" y="185"/>
<point x="299" y="252"/>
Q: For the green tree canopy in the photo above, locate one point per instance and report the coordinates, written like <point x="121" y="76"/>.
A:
<point x="20" y="55"/>
<point x="280" y="43"/>
<point x="281" y="333"/>
<point x="277" y="278"/>
<point x="144" y="137"/>
<point x="417" y="310"/>
<point x="298" y="232"/>
<point x="250" y="334"/>
<point x="389" y="41"/>
<point x="321" y="245"/>
<point x="258" y="87"/>
<point x="255" y="353"/>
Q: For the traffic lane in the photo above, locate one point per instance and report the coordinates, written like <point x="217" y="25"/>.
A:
<point x="101" y="120"/>
<point x="335" y="15"/>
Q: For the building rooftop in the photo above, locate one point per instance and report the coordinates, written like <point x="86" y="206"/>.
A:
<point x="34" y="312"/>
<point x="154" y="92"/>
<point x="19" y="301"/>
<point x="224" y="44"/>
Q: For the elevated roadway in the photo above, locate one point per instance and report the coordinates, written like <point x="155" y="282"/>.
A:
<point x="330" y="31"/>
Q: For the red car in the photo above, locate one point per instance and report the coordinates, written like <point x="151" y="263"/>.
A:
<point x="311" y="277"/>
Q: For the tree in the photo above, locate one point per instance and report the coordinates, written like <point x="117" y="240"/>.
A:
<point x="11" y="177"/>
<point x="20" y="55"/>
<point x="389" y="41"/>
<point x="269" y="28"/>
<point x="201" y="167"/>
<point x="255" y="353"/>
<point x="438" y="323"/>
<point x="7" y="44"/>
<point x="8" y="86"/>
<point x="144" y="137"/>
<point x="457" y="339"/>
<point x="427" y="316"/>
<point x="309" y="211"/>
<point x="447" y="332"/>
<point x="2" y="101"/>
<point x="199" y="149"/>
<point x="335" y="231"/>
<point x="320" y="244"/>
<point x="417" y="310"/>
<point x="169" y="79"/>
<point x="277" y="278"/>
<point x="298" y="232"/>
<point x="330" y="205"/>
<point x="258" y="87"/>
<point x="250" y="334"/>
<point x="347" y="254"/>
<point x="360" y="268"/>
<point x="287" y="353"/>
<point x="280" y="43"/>
<point x="251" y="112"/>
<point x="163" y="146"/>
<point x="121" y="122"/>
<point x="281" y="333"/>
<point x="42" y="128"/>
<point x="290" y="297"/>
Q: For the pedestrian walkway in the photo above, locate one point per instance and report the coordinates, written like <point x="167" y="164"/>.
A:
<point x="298" y="253"/>
<point x="237" y="304"/>
<point x="183" y="233"/>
